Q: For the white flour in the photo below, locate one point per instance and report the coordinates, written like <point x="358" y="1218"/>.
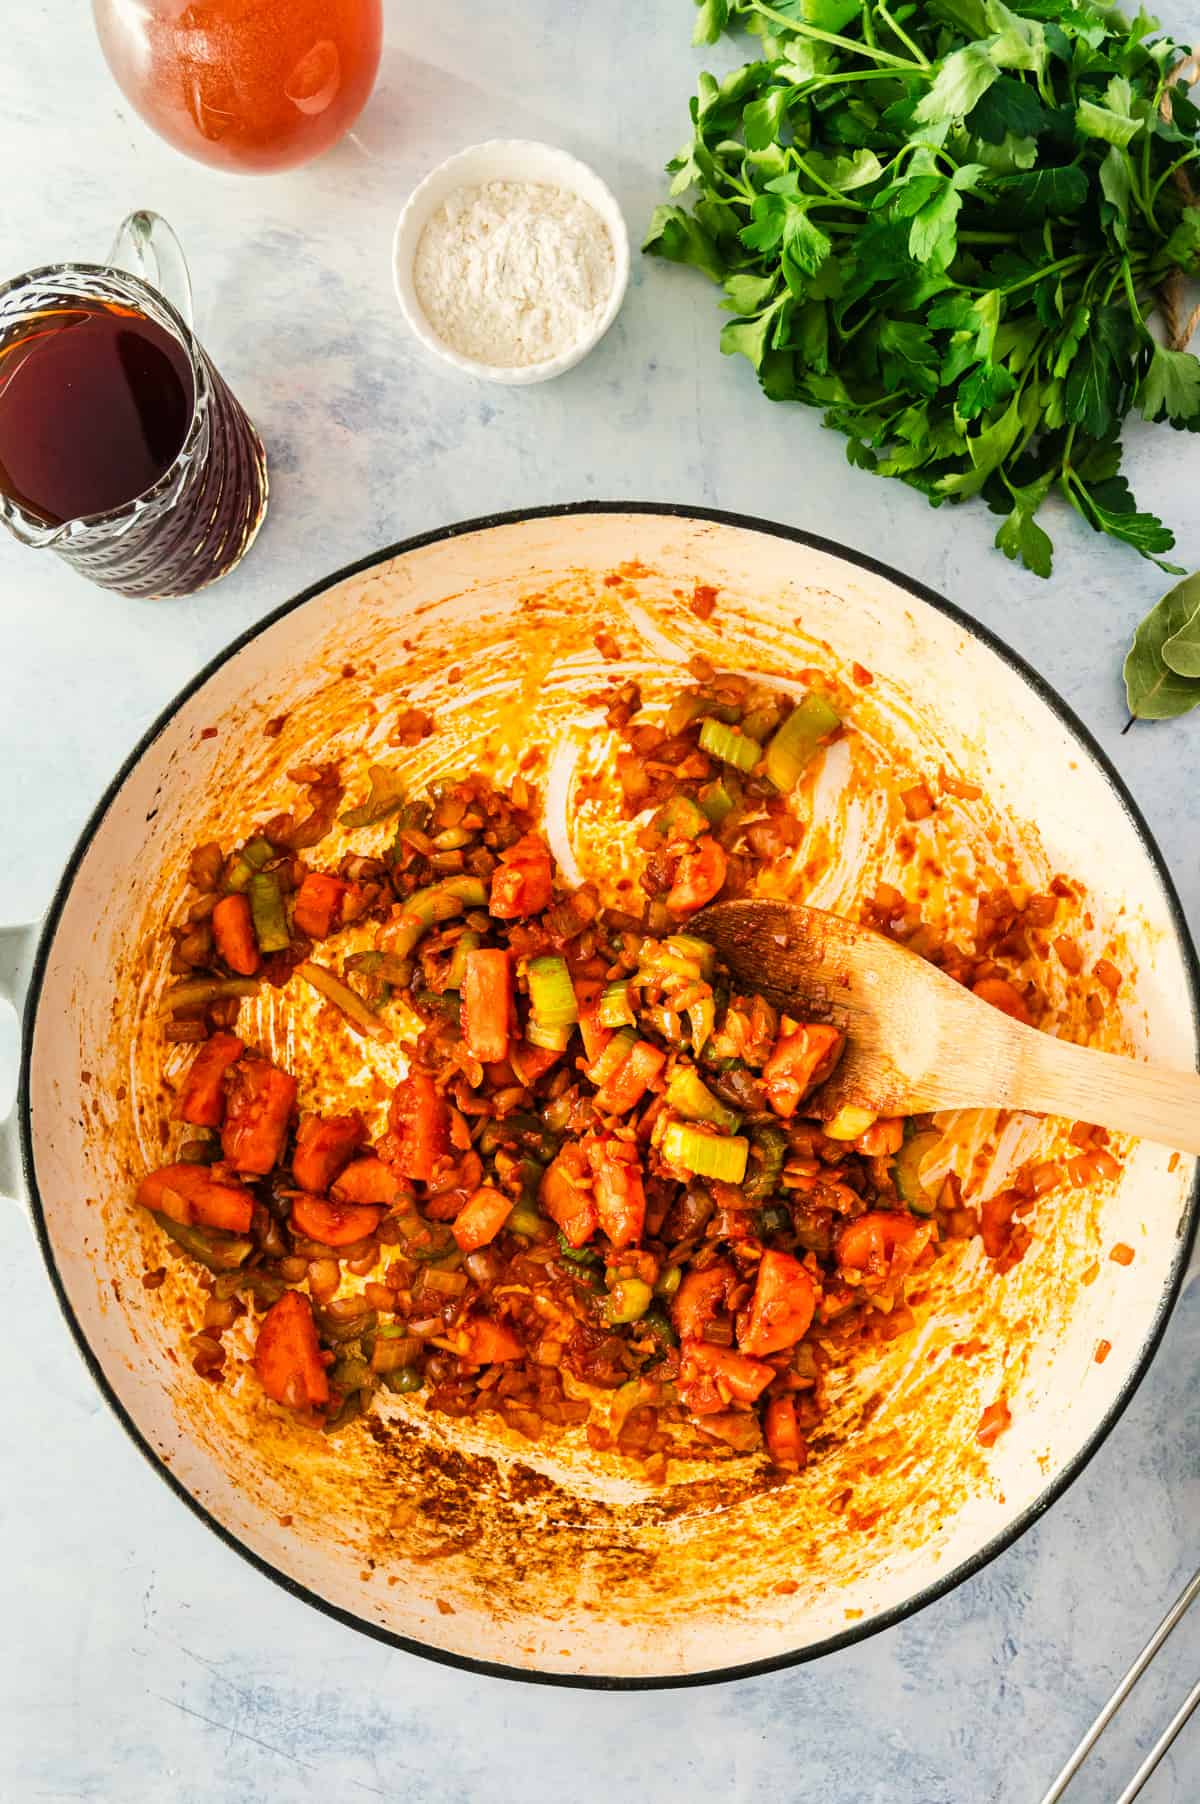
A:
<point x="513" y="273"/>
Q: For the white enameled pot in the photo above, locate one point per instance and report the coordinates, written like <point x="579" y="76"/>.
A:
<point x="544" y="1561"/>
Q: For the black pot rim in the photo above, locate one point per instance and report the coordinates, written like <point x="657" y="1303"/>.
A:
<point x="593" y="1681"/>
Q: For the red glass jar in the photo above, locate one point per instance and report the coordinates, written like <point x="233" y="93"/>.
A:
<point x="245" y="84"/>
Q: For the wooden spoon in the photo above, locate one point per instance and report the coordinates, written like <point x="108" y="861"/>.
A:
<point x="917" y="1041"/>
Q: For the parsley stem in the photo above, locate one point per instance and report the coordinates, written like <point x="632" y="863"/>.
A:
<point x="1166" y="175"/>
<point x="898" y="30"/>
<point x="831" y="37"/>
<point x="843" y="200"/>
<point x="1131" y="296"/>
<point x="1047" y="269"/>
<point x="836" y="81"/>
<point x="989" y="238"/>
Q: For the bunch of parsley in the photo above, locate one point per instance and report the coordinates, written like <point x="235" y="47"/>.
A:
<point x="946" y="224"/>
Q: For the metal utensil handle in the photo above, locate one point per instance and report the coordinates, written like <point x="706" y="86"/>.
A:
<point x="1173" y="1616"/>
<point x="17" y="945"/>
<point x="1161" y="1745"/>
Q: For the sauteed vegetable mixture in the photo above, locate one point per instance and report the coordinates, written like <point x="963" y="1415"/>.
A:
<point x="604" y="1194"/>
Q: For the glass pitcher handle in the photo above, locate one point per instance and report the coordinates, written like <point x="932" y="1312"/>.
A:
<point x="145" y="246"/>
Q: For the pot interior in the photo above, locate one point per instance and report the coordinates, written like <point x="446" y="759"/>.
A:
<point x="544" y="1557"/>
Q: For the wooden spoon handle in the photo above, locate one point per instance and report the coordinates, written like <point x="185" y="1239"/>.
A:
<point x="1054" y="1077"/>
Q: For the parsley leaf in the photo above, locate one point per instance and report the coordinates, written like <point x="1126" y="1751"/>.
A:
<point x="1171" y="385"/>
<point x="961" y="82"/>
<point x="947" y="228"/>
<point x="1020" y="537"/>
<point x="677" y="236"/>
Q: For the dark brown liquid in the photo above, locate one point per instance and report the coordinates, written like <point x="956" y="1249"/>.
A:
<point x="95" y="403"/>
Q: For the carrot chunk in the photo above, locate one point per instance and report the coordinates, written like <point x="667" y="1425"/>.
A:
<point x="699" y="875"/>
<point x="524" y="883"/>
<point x="368" y="1180"/>
<point x="620" y="1193"/>
<point x="785" y="1443"/>
<point x="481" y="1218"/>
<point x="320" y="904"/>
<point x="190" y="1194"/>
<point x="233" y="931"/>
<point x="420" y="1119"/>
<point x="324" y="1144"/>
<point x="201" y="1100"/>
<point x="333" y="1224"/>
<point x="487" y="1004"/>
<point x="800" y="1060"/>
<point x="257" y="1115"/>
<point x="782" y="1307"/>
<point x="485" y="1342"/>
<point x="287" y="1354"/>
<point x="711" y="1378"/>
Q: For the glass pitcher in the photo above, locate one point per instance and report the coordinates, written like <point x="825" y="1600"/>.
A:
<point x="121" y="448"/>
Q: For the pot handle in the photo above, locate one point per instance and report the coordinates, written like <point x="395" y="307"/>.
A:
<point x="17" y="945"/>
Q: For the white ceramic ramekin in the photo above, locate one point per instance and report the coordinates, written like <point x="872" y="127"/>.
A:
<point x="507" y="160"/>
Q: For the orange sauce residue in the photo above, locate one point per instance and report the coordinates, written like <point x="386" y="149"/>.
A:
<point x="996" y="1418"/>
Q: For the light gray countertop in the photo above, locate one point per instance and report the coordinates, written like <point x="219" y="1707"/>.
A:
<point x="141" y="1660"/>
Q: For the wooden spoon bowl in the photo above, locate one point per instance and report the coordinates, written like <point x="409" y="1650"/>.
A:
<point x="918" y="1041"/>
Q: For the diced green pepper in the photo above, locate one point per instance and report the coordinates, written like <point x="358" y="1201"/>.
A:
<point x="267" y="913"/>
<point x="762" y="1175"/>
<point x="906" y="1167"/>
<point x="383" y="965"/>
<point x="349" y="1410"/>
<point x="349" y="1373"/>
<point x="456" y="976"/>
<point x="706" y="1155"/>
<point x="404" y="1379"/>
<point x="340" y="1333"/>
<point x="385" y="796"/>
<point x="798" y="740"/>
<point x="425" y="908"/>
<point x="682" y="712"/>
<point x="680" y="818"/>
<point x="718" y="799"/>
<point x="669" y="1281"/>
<point x="196" y="990"/>
<point x="628" y="1300"/>
<point x="253" y="856"/>
<point x="576" y="1255"/>
<point x="659" y="1325"/>
<point x="212" y="1247"/>
<point x="774" y="1219"/>
<point x="691" y="1097"/>
<point x="414" y="817"/>
<point x="525" y="1220"/>
<point x="729" y="744"/>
